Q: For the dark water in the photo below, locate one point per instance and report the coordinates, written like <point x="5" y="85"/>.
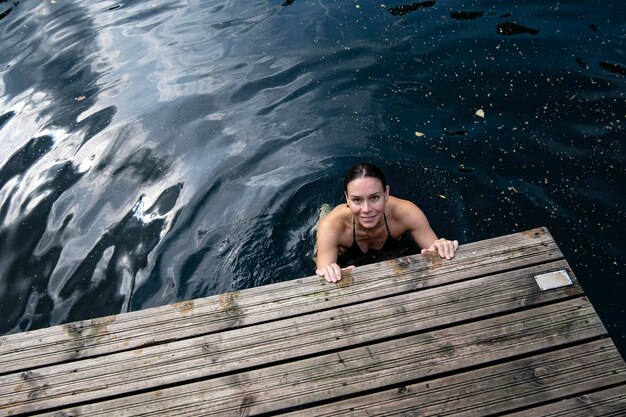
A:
<point x="156" y="151"/>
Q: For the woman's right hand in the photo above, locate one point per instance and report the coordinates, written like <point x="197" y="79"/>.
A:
<point x="331" y="272"/>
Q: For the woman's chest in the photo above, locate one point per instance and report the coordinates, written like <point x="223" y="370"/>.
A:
<point x="365" y="242"/>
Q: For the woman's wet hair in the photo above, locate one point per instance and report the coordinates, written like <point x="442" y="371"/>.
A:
<point x="364" y="169"/>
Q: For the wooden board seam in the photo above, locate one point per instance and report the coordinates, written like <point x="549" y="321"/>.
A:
<point x="564" y="398"/>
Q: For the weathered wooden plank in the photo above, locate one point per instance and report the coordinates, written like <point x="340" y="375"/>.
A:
<point x="123" y="373"/>
<point x="235" y="309"/>
<point x="377" y="365"/>
<point x="606" y="403"/>
<point x="499" y="388"/>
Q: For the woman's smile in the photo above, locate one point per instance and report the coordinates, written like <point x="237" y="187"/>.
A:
<point x="370" y="218"/>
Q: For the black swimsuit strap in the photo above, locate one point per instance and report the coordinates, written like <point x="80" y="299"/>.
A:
<point x="386" y="225"/>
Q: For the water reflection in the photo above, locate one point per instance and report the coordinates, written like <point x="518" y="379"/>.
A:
<point x="470" y="15"/>
<point x="408" y="8"/>
<point x="511" y="28"/>
<point x="613" y="67"/>
<point x="40" y="140"/>
<point x="5" y="13"/>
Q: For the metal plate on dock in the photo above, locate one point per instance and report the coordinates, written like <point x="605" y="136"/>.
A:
<point x="552" y="280"/>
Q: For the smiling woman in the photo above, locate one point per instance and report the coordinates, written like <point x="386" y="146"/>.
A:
<point x="371" y="226"/>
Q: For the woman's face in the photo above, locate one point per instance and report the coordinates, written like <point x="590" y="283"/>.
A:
<point x="366" y="199"/>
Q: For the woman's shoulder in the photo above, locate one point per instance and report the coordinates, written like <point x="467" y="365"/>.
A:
<point x="335" y="228"/>
<point x="401" y="207"/>
<point x="405" y="214"/>
<point x="337" y="219"/>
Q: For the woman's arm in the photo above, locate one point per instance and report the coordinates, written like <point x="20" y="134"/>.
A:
<point x="328" y="234"/>
<point x="417" y="224"/>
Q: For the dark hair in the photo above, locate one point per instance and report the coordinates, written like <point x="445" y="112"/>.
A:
<point x="364" y="169"/>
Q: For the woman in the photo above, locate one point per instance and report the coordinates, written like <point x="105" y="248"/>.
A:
<point x="370" y="226"/>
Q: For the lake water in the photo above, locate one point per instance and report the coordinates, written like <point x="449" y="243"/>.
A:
<point x="158" y="151"/>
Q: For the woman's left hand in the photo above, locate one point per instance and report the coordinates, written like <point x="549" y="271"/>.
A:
<point x="445" y="247"/>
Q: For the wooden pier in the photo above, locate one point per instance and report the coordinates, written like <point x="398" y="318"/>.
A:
<point x="481" y="334"/>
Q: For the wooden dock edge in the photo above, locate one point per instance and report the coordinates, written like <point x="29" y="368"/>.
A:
<point x="192" y="318"/>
